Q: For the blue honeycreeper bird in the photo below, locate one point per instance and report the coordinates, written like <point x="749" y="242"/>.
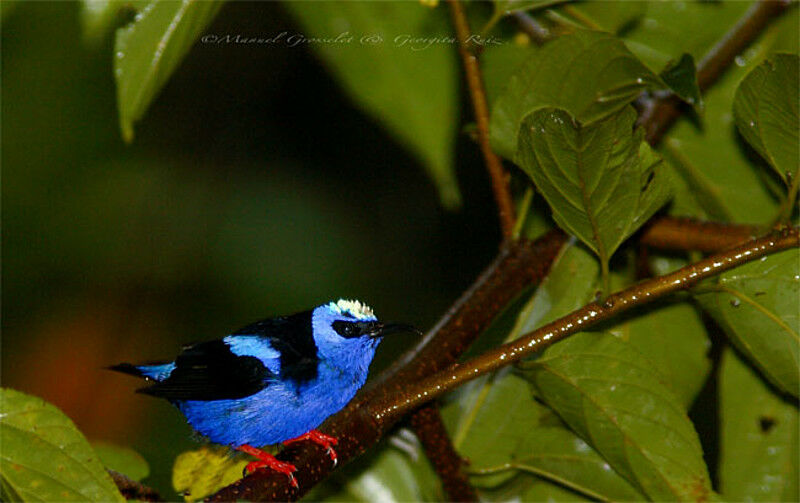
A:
<point x="273" y="381"/>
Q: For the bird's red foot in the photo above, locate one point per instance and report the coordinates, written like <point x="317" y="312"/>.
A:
<point x="267" y="460"/>
<point x="321" y="439"/>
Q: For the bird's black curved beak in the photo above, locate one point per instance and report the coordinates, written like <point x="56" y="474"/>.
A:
<point x="381" y="329"/>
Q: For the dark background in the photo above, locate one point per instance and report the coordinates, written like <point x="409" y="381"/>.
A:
<point x="254" y="188"/>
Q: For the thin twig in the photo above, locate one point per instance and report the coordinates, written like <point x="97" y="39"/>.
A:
<point x="132" y="490"/>
<point x="658" y="116"/>
<point x="585" y="317"/>
<point x="429" y="428"/>
<point x="672" y="233"/>
<point x="531" y="27"/>
<point x="499" y="177"/>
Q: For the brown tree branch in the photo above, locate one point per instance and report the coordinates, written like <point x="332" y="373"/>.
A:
<point x="362" y="423"/>
<point x="356" y="428"/>
<point x="658" y="116"/>
<point x="472" y="71"/>
<point x="430" y="429"/>
<point x="637" y="295"/>
<point x="518" y="265"/>
<point x="673" y="233"/>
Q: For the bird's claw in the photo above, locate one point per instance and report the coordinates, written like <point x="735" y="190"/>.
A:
<point x="320" y="439"/>
<point x="266" y="460"/>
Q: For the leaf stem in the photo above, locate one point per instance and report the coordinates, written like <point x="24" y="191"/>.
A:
<point x="497" y="15"/>
<point x="606" y="276"/>
<point x="519" y="466"/>
<point x="788" y="205"/>
<point x="672" y="233"/>
<point x="524" y="207"/>
<point x="477" y="93"/>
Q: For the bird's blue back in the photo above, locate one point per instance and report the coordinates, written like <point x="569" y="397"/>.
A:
<point x="273" y="380"/>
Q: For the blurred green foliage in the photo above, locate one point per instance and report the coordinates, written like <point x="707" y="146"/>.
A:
<point x="253" y="188"/>
<point x="269" y="177"/>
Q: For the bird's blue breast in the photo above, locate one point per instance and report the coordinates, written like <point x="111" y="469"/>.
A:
<point x="286" y="408"/>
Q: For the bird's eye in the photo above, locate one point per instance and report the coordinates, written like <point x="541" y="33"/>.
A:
<point x="346" y="329"/>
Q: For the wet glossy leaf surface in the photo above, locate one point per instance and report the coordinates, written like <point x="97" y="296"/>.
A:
<point x="601" y="181"/>
<point x="149" y="49"/>
<point x="591" y="75"/>
<point x="757" y="306"/>
<point x="610" y="394"/>
<point x="766" y="111"/>
<point x="44" y="457"/>
<point x="759" y="458"/>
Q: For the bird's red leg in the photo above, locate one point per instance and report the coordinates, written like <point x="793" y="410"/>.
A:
<point x="267" y="460"/>
<point x="320" y="439"/>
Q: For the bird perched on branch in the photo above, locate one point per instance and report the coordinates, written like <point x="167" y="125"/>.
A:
<point x="274" y="381"/>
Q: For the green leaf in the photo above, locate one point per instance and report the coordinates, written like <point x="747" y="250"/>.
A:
<point x="411" y="87"/>
<point x="766" y="111"/>
<point x="97" y="19"/>
<point x="509" y="6"/>
<point x="612" y="17"/>
<point x="759" y="451"/>
<point x="591" y="75"/>
<point x="392" y="474"/>
<point x="601" y="181"/>
<point x="122" y="459"/>
<point x="44" y="457"/>
<point x="150" y="49"/>
<point x="681" y="77"/>
<point x="717" y="177"/>
<point x="672" y="336"/>
<point x="558" y="455"/>
<point x="669" y="29"/>
<point x="503" y="434"/>
<point x="756" y="305"/>
<point x="613" y="398"/>
<point x="498" y="64"/>
<point x="204" y="471"/>
<point x="489" y="422"/>
<point x="571" y="283"/>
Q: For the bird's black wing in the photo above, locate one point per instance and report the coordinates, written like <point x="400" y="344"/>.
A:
<point x="210" y="371"/>
<point x="293" y="337"/>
